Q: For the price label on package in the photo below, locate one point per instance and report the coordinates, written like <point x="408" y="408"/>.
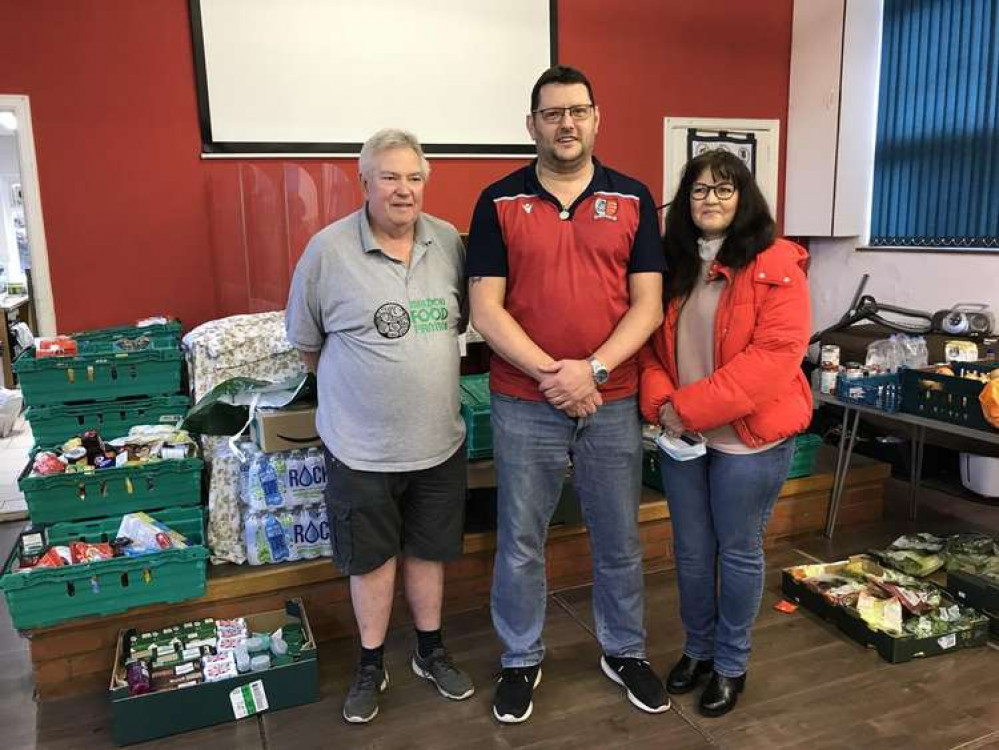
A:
<point x="248" y="700"/>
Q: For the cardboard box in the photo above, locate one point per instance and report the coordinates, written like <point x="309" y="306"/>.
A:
<point x="285" y="429"/>
<point x="167" y="712"/>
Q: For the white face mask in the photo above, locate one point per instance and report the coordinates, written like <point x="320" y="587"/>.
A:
<point x="679" y="449"/>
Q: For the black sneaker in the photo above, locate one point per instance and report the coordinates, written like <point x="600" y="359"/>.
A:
<point x="361" y="705"/>
<point x="513" y="702"/>
<point x="645" y="689"/>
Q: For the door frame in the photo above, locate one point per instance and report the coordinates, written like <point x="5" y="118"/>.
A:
<point x="33" y="219"/>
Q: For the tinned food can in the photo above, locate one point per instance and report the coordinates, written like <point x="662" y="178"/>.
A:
<point x="829" y="356"/>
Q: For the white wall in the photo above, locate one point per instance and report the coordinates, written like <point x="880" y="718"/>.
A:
<point x="923" y="281"/>
<point x="9" y="171"/>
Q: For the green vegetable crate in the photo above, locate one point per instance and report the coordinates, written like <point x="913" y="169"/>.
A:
<point x="122" y="338"/>
<point x="475" y="412"/>
<point x="57" y="380"/>
<point x="44" y="597"/>
<point x="806" y="448"/>
<point x="54" y="423"/>
<point x="106" y="492"/>
<point x="895" y="649"/>
<point x="167" y="712"/>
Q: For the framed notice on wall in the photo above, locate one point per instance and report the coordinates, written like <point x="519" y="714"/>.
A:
<point x="755" y="142"/>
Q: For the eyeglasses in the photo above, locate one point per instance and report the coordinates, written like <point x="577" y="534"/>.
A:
<point x="723" y="191"/>
<point x="552" y="115"/>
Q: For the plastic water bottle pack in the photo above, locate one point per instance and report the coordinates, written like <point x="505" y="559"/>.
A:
<point x="289" y="479"/>
<point x="286" y="535"/>
<point x="284" y="515"/>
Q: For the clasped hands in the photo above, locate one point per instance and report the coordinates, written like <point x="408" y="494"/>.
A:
<point x="569" y="386"/>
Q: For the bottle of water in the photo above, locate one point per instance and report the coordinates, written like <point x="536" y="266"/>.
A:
<point x="250" y="528"/>
<point x="309" y="534"/>
<point x="269" y="483"/>
<point x="258" y="549"/>
<point x="322" y="521"/>
<point x="287" y="521"/>
<point x="296" y="472"/>
<point x="275" y="538"/>
<point x="316" y="464"/>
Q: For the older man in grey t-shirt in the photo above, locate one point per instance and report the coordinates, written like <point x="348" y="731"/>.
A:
<point x="375" y="309"/>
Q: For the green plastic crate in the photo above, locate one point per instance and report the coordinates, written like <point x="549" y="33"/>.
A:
<point x="52" y="595"/>
<point x="56" y="380"/>
<point x="162" y="336"/>
<point x="806" y="447"/>
<point x="55" y="423"/>
<point x="475" y="412"/>
<point x="108" y="492"/>
<point x="189" y="521"/>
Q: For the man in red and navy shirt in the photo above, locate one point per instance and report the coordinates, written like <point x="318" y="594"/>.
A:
<point x="565" y="281"/>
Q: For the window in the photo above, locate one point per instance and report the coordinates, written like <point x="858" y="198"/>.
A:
<point x="936" y="163"/>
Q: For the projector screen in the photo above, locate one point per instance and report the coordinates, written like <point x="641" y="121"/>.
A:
<point x="318" y="77"/>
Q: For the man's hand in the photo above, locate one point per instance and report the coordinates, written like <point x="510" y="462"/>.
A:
<point x="567" y="382"/>
<point x="585" y="408"/>
<point x="671" y="423"/>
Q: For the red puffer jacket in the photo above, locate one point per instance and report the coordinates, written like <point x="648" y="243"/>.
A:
<point x="761" y="334"/>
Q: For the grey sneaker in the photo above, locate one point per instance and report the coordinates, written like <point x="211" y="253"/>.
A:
<point x="438" y="667"/>
<point x="361" y="705"/>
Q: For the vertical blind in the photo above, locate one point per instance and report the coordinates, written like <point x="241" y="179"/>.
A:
<point x="936" y="164"/>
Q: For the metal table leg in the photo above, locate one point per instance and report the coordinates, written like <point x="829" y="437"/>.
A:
<point x="916" y="469"/>
<point x="842" y="468"/>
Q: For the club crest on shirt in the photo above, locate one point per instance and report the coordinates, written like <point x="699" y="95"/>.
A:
<point x="605" y="208"/>
<point x="392" y="321"/>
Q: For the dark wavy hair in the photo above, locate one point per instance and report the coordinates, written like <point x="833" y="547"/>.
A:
<point x="561" y="74"/>
<point x="752" y="230"/>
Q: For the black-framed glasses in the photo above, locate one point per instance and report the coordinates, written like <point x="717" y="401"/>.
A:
<point x="552" y="115"/>
<point x="723" y="191"/>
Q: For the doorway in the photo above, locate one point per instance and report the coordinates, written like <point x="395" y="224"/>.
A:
<point x="24" y="261"/>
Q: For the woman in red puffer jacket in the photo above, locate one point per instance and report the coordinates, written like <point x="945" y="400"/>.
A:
<point x="725" y="366"/>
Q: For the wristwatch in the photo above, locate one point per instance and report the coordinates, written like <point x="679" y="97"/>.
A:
<point x="600" y="373"/>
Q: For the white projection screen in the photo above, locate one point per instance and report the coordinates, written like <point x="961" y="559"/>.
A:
<point x="317" y="77"/>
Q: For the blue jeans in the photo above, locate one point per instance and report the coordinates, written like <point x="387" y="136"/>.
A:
<point x="533" y="442"/>
<point x="719" y="506"/>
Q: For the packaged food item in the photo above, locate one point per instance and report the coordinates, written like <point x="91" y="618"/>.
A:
<point x="84" y="552"/>
<point x="147" y="533"/>
<point x="55" y="346"/>
<point x="219" y="667"/>
<point x="260" y="663"/>
<point x="138" y="677"/>
<point x="46" y="463"/>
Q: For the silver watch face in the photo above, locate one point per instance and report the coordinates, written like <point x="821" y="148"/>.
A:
<point x="600" y="374"/>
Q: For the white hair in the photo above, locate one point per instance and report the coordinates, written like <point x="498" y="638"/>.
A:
<point x="386" y="139"/>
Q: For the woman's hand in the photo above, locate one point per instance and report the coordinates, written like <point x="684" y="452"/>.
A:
<point x="671" y="423"/>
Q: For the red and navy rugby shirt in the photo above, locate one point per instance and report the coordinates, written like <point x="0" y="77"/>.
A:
<point x="566" y="271"/>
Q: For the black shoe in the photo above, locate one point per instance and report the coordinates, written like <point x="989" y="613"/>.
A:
<point x="686" y="673"/>
<point x="513" y="702"/>
<point x="721" y="694"/>
<point x="645" y="689"/>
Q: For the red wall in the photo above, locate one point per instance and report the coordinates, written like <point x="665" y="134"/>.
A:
<point x="115" y="119"/>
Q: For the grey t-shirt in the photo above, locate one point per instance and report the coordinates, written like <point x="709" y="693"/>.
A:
<point x="388" y="335"/>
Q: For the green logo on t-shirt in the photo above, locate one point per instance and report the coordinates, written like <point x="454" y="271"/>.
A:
<point x="429" y="314"/>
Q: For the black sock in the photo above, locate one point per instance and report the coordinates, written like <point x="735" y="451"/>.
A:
<point x="428" y="640"/>
<point x="372" y="656"/>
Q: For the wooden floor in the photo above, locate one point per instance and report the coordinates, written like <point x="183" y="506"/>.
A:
<point x="808" y="686"/>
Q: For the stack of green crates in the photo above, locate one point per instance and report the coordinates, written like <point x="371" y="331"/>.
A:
<point x="475" y="412"/>
<point x="40" y="598"/>
<point x="121" y="377"/>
